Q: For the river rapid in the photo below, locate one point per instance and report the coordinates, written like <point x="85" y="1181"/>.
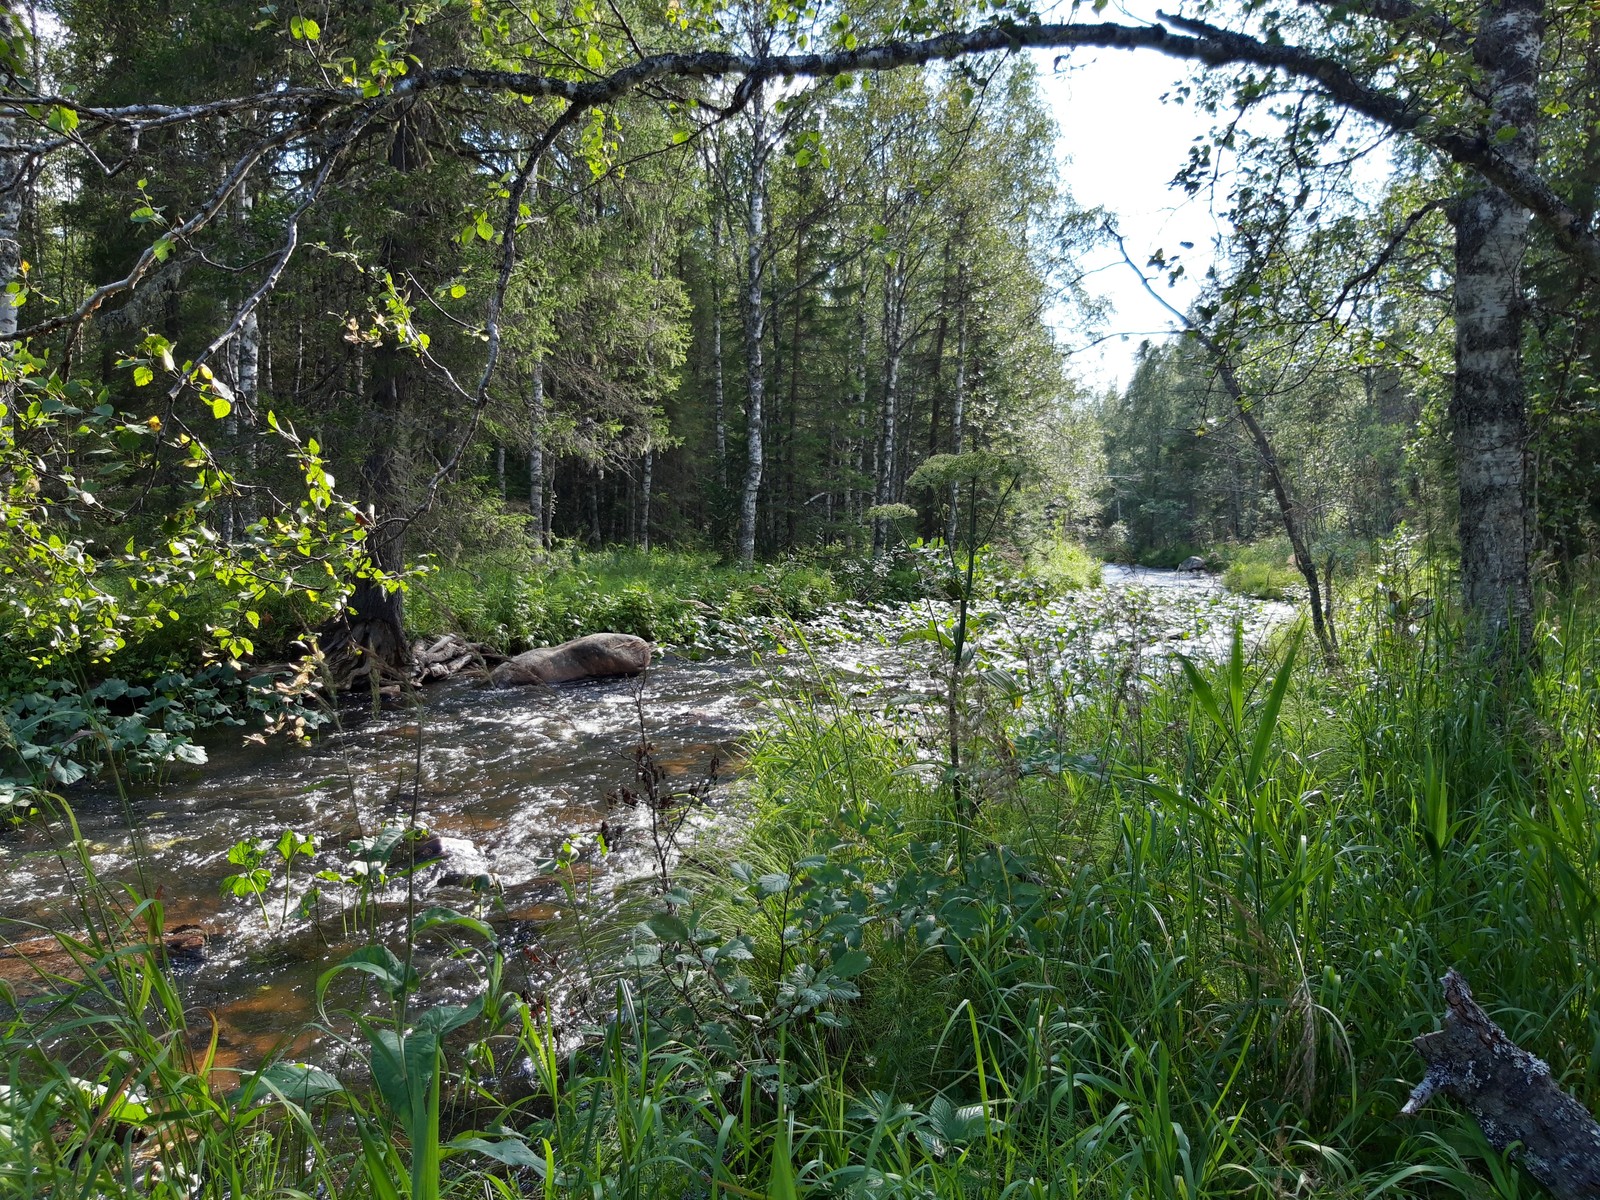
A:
<point x="528" y="776"/>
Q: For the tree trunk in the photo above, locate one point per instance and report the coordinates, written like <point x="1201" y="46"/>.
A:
<point x="893" y="327"/>
<point x="644" y="500"/>
<point x="538" y="523"/>
<point x="852" y="500"/>
<point x="958" y="404"/>
<point x="365" y="644"/>
<point x="1489" y="403"/>
<point x="246" y="381"/>
<point x="367" y="640"/>
<point x="1511" y="1095"/>
<point x="718" y="393"/>
<point x="596" y="534"/>
<point x="1304" y="563"/>
<point x="754" y="326"/>
<point x="11" y="198"/>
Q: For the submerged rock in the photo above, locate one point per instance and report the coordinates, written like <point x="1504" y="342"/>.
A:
<point x="459" y="862"/>
<point x="598" y="655"/>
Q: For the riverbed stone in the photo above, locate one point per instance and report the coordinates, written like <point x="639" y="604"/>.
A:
<point x="597" y="656"/>
<point x="460" y="863"/>
<point x="1193" y="563"/>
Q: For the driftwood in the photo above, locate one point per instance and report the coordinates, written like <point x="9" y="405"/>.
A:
<point x="1511" y="1095"/>
<point x="448" y="655"/>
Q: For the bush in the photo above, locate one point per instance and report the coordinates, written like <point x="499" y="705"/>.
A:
<point x="1064" y="566"/>
<point x="664" y="596"/>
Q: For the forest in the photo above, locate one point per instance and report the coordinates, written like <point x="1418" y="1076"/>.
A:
<point x="577" y="617"/>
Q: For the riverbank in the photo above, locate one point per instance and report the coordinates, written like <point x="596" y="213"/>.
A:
<point x="531" y="777"/>
<point x="149" y="709"/>
<point x="1156" y="922"/>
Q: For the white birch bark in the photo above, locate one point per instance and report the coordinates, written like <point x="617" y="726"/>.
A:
<point x="958" y="401"/>
<point x="893" y="347"/>
<point x="538" y="524"/>
<point x="754" y="325"/>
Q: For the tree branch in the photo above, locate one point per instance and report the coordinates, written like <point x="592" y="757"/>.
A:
<point x="1511" y="1095"/>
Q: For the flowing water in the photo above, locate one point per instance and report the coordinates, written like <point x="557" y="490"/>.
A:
<point x="526" y="775"/>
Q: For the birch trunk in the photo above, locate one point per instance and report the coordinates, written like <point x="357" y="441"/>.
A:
<point x="537" y="523"/>
<point x="958" y="404"/>
<point x="11" y="198"/>
<point x="893" y="322"/>
<point x="247" y="379"/>
<point x="718" y="392"/>
<point x="1489" y="403"/>
<point x="754" y="326"/>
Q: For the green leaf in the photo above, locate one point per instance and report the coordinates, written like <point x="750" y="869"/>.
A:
<point x="377" y="961"/>
<point x="1269" y="714"/>
<point x="851" y="963"/>
<point x="298" y="1083"/>
<point x="433" y="918"/>
<point x="511" y="1151"/>
<point x="142" y="376"/>
<point x="63" y="119"/>
<point x="444" y="1019"/>
<point x="1203" y="693"/>
<point x="220" y="408"/>
<point x="668" y="927"/>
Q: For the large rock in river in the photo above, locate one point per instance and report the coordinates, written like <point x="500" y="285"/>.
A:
<point x="1192" y="563"/>
<point x="598" y="654"/>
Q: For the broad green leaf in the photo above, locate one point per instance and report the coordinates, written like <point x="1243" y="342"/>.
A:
<point x="510" y="1151"/>
<point x="1268" y="720"/>
<point x="298" y="1083"/>
<point x="1203" y="693"/>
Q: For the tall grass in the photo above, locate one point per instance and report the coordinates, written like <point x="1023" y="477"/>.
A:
<point x="1174" y="941"/>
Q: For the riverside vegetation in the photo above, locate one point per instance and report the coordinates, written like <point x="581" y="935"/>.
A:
<point x="750" y="328"/>
<point x="1169" y="933"/>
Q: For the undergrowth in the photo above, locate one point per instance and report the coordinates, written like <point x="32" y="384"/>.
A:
<point x="1164" y="927"/>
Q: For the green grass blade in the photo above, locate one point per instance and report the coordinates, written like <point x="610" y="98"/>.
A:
<point x="1268" y="721"/>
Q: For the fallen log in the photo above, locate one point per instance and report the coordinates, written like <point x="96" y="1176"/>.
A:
<point x="1511" y="1094"/>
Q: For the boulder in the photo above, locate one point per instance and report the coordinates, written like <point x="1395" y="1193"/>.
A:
<point x="599" y="654"/>
<point x="1193" y="563"/>
<point x="460" y="863"/>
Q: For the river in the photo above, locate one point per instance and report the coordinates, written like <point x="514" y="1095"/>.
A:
<point x="526" y="775"/>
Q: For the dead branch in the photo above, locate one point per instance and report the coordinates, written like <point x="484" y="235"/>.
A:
<point x="1511" y="1095"/>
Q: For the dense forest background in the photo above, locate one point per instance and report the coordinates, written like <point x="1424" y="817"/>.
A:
<point x="744" y="333"/>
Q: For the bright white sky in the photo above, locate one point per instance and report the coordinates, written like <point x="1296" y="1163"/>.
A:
<point x="1120" y="147"/>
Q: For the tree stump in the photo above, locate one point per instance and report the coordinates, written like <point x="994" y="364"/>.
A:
<point x="1511" y="1095"/>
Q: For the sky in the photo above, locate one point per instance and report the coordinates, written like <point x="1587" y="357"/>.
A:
<point x="1119" y="149"/>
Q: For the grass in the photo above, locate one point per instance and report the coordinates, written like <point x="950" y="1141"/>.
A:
<point x="1263" y="569"/>
<point x="1172" y="938"/>
<point x="1063" y="566"/>
<point x="513" y="602"/>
